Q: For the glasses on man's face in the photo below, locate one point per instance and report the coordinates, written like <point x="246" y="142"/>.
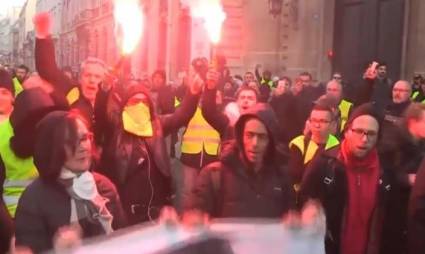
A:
<point x="360" y="133"/>
<point x="398" y="90"/>
<point x="337" y="77"/>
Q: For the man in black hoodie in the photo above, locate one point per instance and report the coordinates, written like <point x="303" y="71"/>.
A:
<point x="247" y="181"/>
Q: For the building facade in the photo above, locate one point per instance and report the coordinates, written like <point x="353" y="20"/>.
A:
<point x="318" y="36"/>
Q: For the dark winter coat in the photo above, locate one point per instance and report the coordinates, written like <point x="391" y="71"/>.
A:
<point x="326" y="181"/>
<point x="44" y="208"/>
<point x="48" y="70"/>
<point x="402" y="155"/>
<point x="217" y="119"/>
<point x="140" y="167"/>
<point x="228" y="188"/>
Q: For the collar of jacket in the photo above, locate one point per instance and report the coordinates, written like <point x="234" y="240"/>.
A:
<point x="334" y="154"/>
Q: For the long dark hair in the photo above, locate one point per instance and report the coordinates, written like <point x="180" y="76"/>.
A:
<point x="54" y="132"/>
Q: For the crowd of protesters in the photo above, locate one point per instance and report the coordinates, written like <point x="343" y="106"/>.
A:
<point x="100" y="154"/>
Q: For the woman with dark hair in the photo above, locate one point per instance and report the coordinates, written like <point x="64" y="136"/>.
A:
<point x="66" y="192"/>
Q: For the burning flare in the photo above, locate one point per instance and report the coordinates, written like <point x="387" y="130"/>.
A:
<point x="211" y="11"/>
<point x="128" y="17"/>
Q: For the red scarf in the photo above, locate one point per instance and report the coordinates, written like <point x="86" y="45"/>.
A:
<point x="362" y="180"/>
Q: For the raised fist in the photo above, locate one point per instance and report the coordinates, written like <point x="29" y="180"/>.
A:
<point x="42" y="24"/>
<point x="195" y="82"/>
<point x="212" y="79"/>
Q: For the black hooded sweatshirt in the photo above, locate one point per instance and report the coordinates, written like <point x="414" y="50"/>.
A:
<point x="238" y="191"/>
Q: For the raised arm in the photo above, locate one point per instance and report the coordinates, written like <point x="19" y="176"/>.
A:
<point x="217" y="119"/>
<point x="45" y="62"/>
<point x="186" y="110"/>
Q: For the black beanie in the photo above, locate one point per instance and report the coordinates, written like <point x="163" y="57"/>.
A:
<point x="6" y="81"/>
<point x="365" y="109"/>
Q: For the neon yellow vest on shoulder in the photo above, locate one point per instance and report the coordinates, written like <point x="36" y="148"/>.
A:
<point x="200" y="135"/>
<point x="17" y="85"/>
<point x="73" y="95"/>
<point x="312" y="146"/>
<point x="19" y="173"/>
<point x="414" y="95"/>
<point x="344" y="108"/>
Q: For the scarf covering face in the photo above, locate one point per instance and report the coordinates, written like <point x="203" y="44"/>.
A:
<point x="86" y="202"/>
<point x="362" y="180"/>
<point x="137" y="120"/>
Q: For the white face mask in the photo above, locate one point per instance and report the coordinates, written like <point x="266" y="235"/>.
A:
<point x="83" y="185"/>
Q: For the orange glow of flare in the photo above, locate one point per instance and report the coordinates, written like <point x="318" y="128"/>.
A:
<point x="128" y="17"/>
<point x="213" y="15"/>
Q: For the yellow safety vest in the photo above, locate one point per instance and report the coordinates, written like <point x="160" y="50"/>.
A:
<point x="312" y="147"/>
<point x="176" y="102"/>
<point x="17" y="85"/>
<point x="414" y="95"/>
<point x="19" y="173"/>
<point x="200" y="135"/>
<point x="344" y="108"/>
<point x="270" y="83"/>
<point x="73" y="95"/>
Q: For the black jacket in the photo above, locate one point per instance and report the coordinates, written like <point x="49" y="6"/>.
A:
<point x="44" y="208"/>
<point x="140" y="167"/>
<point x="217" y="119"/>
<point x="402" y="155"/>
<point x="47" y="69"/>
<point x="284" y="106"/>
<point x="30" y="106"/>
<point x="242" y="193"/>
<point x="325" y="180"/>
<point x="237" y="191"/>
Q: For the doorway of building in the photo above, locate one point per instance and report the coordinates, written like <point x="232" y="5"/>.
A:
<point x="367" y="30"/>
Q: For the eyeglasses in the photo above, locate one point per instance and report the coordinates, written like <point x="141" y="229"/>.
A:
<point x="337" y="77"/>
<point x="360" y="133"/>
<point x="401" y="90"/>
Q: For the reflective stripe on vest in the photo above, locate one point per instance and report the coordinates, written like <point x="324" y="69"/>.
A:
<point x="270" y="83"/>
<point x="344" y="108"/>
<point x="312" y="147"/>
<point x="176" y="102"/>
<point x="18" y="172"/>
<point x="17" y="85"/>
<point x="73" y="95"/>
<point x="16" y="183"/>
<point x="414" y="95"/>
<point x="200" y="135"/>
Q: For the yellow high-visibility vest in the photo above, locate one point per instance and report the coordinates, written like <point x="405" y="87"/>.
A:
<point x="19" y="173"/>
<point x="73" y="95"/>
<point x="414" y="95"/>
<point x="312" y="146"/>
<point x="344" y="108"/>
<point x="200" y="135"/>
<point x="270" y="83"/>
<point x="176" y="102"/>
<point x="18" y="86"/>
